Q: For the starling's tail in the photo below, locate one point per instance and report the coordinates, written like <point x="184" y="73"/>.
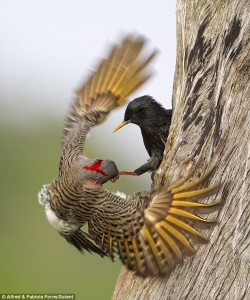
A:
<point x="165" y="238"/>
<point x="115" y="79"/>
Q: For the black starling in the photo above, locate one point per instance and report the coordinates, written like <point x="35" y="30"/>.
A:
<point x="154" y="121"/>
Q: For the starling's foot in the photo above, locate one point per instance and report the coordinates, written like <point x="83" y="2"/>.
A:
<point x="128" y="173"/>
<point x="151" y="165"/>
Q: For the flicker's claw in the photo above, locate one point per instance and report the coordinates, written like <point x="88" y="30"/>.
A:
<point x="128" y="173"/>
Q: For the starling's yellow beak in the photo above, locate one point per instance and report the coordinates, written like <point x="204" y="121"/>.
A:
<point x="120" y="125"/>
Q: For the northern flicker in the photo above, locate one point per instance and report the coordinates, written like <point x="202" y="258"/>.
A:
<point x="149" y="233"/>
<point x="154" y="122"/>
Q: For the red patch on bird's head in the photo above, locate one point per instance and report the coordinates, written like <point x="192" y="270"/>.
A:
<point x="95" y="167"/>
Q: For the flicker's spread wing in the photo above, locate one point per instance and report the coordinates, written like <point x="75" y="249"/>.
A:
<point x="153" y="243"/>
<point x="170" y="228"/>
<point x="114" y="80"/>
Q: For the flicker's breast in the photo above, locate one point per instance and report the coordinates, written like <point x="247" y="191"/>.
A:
<point x="59" y="224"/>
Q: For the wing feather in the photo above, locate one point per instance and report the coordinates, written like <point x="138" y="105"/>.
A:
<point x="115" y="79"/>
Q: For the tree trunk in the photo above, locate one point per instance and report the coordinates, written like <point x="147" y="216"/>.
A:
<point x="211" y="125"/>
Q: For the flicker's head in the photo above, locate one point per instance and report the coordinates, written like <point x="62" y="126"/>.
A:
<point x="143" y="111"/>
<point x="94" y="173"/>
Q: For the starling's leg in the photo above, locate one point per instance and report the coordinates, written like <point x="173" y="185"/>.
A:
<point x="151" y="165"/>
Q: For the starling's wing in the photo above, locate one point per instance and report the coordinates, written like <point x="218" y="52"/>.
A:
<point x="155" y="243"/>
<point x="114" y="80"/>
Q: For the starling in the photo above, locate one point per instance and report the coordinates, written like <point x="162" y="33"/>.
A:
<point x="154" y="122"/>
<point x="149" y="233"/>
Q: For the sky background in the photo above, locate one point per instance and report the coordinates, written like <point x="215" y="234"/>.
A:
<point x="47" y="49"/>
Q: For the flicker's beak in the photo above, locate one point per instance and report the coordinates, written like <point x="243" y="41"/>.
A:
<point x="120" y="125"/>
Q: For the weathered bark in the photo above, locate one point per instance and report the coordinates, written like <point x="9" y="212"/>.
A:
<point x="211" y="125"/>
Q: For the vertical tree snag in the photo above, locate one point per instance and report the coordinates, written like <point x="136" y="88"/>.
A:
<point x="211" y="125"/>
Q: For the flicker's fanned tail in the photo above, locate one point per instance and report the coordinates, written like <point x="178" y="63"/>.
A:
<point x="114" y="80"/>
<point x="170" y="221"/>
